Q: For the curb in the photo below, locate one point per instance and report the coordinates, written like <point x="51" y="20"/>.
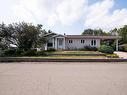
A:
<point x="8" y="59"/>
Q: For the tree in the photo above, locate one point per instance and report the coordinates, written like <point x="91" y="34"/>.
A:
<point x="87" y="32"/>
<point x="94" y="32"/>
<point x="123" y="33"/>
<point x="49" y="31"/>
<point x="114" y="31"/>
<point x="24" y="35"/>
<point x="5" y="35"/>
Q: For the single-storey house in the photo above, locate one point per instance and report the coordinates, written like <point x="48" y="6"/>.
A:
<point x="71" y="42"/>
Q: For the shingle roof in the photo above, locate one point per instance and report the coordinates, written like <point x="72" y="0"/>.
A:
<point x="92" y="37"/>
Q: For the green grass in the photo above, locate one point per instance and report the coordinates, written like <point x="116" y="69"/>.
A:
<point x="75" y="52"/>
<point x="76" y="57"/>
<point x="112" y="56"/>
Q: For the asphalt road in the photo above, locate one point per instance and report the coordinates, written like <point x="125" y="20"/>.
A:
<point x="63" y="79"/>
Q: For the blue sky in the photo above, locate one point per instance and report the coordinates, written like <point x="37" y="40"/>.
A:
<point x="66" y="16"/>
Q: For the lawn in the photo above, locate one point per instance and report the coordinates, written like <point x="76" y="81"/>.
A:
<point x="76" y="52"/>
<point x="75" y="57"/>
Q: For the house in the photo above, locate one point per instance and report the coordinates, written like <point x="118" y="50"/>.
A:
<point x="71" y="42"/>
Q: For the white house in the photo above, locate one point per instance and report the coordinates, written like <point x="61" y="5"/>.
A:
<point x="70" y="42"/>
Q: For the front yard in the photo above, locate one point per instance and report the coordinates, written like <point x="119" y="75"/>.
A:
<point x="74" y="57"/>
<point x="76" y="52"/>
<point x="79" y="55"/>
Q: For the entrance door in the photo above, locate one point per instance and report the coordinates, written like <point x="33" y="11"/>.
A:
<point x="60" y="43"/>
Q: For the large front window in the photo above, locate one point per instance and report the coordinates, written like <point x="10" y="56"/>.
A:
<point x="93" y="42"/>
<point x="50" y="44"/>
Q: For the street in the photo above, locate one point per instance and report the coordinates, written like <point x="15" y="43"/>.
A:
<point x="63" y="78"/>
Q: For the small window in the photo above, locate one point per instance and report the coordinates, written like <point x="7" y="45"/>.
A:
<point x="70" y="41"/>
<point x="82" y="41"/>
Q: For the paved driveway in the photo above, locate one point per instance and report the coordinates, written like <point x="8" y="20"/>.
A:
<point x="63" y="79"/>
<point x="121" y="54"/>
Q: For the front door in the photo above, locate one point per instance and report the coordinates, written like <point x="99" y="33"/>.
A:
<point x="60" y="44"/>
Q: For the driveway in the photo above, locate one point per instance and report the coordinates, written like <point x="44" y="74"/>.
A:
<point x="63" y="79"/>
<point x="121" y="54"/>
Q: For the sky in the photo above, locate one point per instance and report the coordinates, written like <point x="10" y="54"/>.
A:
<point x="66" y="16"/>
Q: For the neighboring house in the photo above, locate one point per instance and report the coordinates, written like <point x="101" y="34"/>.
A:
<point x="71" y="42"/>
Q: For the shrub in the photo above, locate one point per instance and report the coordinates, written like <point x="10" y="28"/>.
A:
<point x="41" y="53"/>
<point x="9" y="52"/>
<point x="19" y="52"/>
<point x="123" y="47"/>
<point x="93" y="48"/>
<point x="106" y="49"/>
<point x="89" y="48"/>
<point x="51" y="49"/>
<point x="30" y="53"/>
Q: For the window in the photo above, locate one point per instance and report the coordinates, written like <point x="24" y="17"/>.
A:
<point x="50" y="44"/>
<point x="70" y="41"/>
<point x="93" y="42"/>
<point x="82" y="41"/>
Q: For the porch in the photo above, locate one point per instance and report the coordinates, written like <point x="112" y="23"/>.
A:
<point x="57" y="43"/>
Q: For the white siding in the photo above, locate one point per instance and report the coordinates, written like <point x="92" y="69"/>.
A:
<point x="76" y="44"/>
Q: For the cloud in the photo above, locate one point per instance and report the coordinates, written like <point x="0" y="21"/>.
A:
<point x="59" y="14"/>
<point x="70" y="11"/>
<point x="29" y="11"/>
<point x="99" y="15"/>
<point x="50" y="12"/>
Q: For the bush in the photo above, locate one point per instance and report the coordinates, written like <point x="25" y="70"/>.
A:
<point x="30" y="53"/>
<point x="9" y="52"/>
<point x="89" y="48"/>
<point x="19" y="52"/>
<point x="51" y="49"/>
<point x="41" y="53"/>
<point x="123" y="47"/>
<point x="106" y="49"/>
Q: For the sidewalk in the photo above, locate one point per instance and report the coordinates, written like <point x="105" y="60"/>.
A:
<point x="121" y="54"/>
